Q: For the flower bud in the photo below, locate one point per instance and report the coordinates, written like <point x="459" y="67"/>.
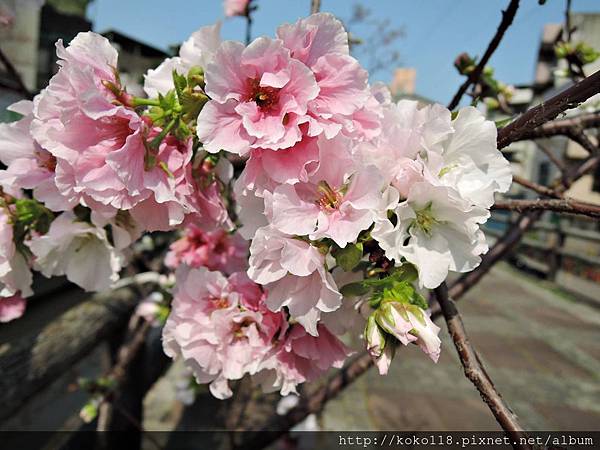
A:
<point x="385" y="359"/>
<point x="392" y="317"/>
<point x="426" y="332"/>
<point x="375" y="337"/>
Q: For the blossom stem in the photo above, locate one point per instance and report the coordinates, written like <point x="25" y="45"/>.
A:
<point x="139" y="101"/>
<point x="166" y="130"/>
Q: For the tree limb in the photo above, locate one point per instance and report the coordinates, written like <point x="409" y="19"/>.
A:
<point x="562" y="127"/>
<point x="564" y="205"/>
<point x="475" y="371"/>
<point x="311" y="403"/>
<point x="16" y="77"/>
<point x="507" y="19"/>
<point x="548" y="110"/>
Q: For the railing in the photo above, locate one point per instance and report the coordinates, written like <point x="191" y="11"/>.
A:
<point x="563" y="253"/>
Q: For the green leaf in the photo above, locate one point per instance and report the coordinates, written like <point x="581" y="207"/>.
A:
<point x="406" y="272"/>
<point x="418" y="300"/>
<point x="180" y="83"/>
<point x="89" y="411"/>
<point x="8" y="116"/>
<point x="30" y="214"/>
<point x="503" y="122"/>
<point x="349" y="256"/>
<point x="354" y="289"/>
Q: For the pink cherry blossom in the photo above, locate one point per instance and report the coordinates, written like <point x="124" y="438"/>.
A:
<point x="77" y="121"/>
<point x="407" y="131"/>
<point x="208" y="202"/>
<point x="15" y="275"/>
<point x="236" y="7"/>
<point x="29" y="166"/>
<point x="345" y="102"/>
<point x="338" y="201"/>
<point x="197" y="51"/>
<point x="78" y="250"/>
<point x="267" y="168"/>
<point x="293" y="273"/>
<point x="11" y="308"/>
<point x="217" y="250"/>
<point x="219" y="326"/>
<point x="168" y="177"/>
<point x="303" y="357"/>
<point x="264" y="93"/>
<point x="259" y="97"/>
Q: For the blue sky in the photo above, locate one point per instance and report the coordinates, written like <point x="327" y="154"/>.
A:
<point x="436" y="30"/>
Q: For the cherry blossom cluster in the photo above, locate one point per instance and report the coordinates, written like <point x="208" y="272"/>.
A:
<point x="344" y="207"/>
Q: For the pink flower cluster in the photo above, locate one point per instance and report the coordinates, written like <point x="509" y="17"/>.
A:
<point x="342" y="191"/>
<point x="275" y="92"/>
<point x="216" y="250"/>
<point x="89" y="157"/>
<point x="223" y="330"/>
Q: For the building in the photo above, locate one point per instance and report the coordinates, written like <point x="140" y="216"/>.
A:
<point x="550" y="78"/>
<point x="135" y="58"/>
<point x="565" y="248"/>
<point x="29" y="43"/>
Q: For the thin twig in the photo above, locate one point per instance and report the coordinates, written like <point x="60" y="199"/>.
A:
<point x="559" y="163"/>
<point x="585" y="167"/>
<point x="248" y="28"/>
<point x="315" y="6"/>
<point x="582" y="139"/>
<point x="134" y="341"/>
<point x="540" y="189"/>
<point x="477" y="374"/>
<point x="12" y="72"/>
<point x="502" y="246"/>
<point x="567" y="31"/>
<point x="473" y="78"/>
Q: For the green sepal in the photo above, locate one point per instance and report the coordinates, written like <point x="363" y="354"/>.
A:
<point x="349" y="256"/>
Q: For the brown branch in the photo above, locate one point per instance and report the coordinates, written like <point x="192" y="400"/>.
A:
<point x="248" y="25"/>
<point x="502" y="246"/>
<point x="315" y="6"/>
<point x="559" y="163"/>
<point x="476" y="373"/>
<point x="539" y="188"/>
<point x="582" y="139"/>
<point x="473" y="78"/>
<point x="311" y="403"/>
<point x="15" y="76"/>
<point x="564" y="205"/>
<point x="549" y="109"/>
<point x="567" y="31"/>
<point x="587" y="166"/>
<point x="562" y="127"/>
<point x="133" y="343"/>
